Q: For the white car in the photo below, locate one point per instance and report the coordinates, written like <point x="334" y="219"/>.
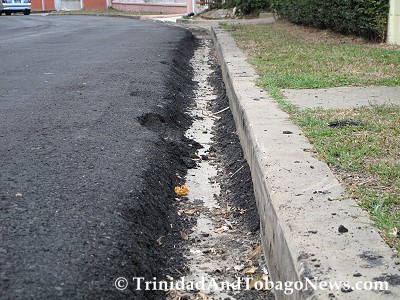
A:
<point x="14" y="6"/>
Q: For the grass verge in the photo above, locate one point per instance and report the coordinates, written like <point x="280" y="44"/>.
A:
<point x="366" y="157"/>
<point x="290" y="56"/>
<point x="364" y="154"/>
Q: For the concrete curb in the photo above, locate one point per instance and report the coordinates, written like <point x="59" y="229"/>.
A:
<point x="155" y="17"/>
<point x="136" y="17"/>
<point x="98" y="15"/>
<point x="300" y="202"/>
<point x="42" y="11"/>
<point x="214" y="22"/>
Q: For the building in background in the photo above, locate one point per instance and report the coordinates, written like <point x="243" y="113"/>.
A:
<point x="42" y="5"/>
<point x="45" y="5"/>
<point x="158" y="6"/>
<point x="164" y="6"/>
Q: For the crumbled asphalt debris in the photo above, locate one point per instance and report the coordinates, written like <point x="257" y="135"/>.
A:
<point x="390" y="278"/>
<point x="342" y="229"/>
<point x="304" y="255"/>
<point x="236" y="179"/>
<point x="346" y="289"/>
<point x="343" y="123"/>
<point x="151" y="214"/>
<point x="287" y="132"/>
<point x="368" y="255"/>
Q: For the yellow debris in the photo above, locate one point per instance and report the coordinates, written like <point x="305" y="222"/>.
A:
<point x="182" y="190"/>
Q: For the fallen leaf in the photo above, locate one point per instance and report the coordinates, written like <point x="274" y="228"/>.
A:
<point x="190" y="212"/>
<point x="251" y="270"/>
<point x="174" y="294"/>
<point x="182" y="190"/>
<point x="201" y="295"/>
<point x="255" y="253"/>
<point x="261" y="280"/>
<point x="221" y="229"/>
<point x="184" y="235"/>
<point x="217" y="251"/>
<point x="158" y="241"/>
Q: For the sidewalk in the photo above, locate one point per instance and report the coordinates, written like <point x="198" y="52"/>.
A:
<point x="302" y="205"/>
<point x="311" y="229"/>
<point x="344" y="97"/>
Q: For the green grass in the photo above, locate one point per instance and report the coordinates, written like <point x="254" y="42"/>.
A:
<point x="366" y="157"/>
<point x="372" y="147"/>
<point x="287" y="60"/>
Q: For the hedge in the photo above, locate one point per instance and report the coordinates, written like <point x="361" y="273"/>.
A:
<point x="249" y="6"/>
<point x="365" y="18"/>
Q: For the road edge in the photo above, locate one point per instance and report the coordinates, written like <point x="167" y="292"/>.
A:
<point x="300" y="202"/>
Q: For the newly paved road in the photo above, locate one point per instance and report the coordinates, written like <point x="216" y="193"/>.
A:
<point x="72" y="151"/>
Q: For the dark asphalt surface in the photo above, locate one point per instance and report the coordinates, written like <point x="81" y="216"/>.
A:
<point x="76" y="207"/>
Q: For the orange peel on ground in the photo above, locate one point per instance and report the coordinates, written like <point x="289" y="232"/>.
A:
<point x="182" y="190"/>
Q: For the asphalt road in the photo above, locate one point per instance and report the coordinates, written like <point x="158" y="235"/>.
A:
<point x="79" y="97"/>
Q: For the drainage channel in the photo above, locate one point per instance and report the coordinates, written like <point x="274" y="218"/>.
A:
<point x="224" y="257"/>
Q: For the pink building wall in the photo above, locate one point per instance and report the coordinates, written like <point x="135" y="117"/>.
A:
<point x="94" y="4"/>
<point x="168" y="8"/>
<point x="42" y="5"/>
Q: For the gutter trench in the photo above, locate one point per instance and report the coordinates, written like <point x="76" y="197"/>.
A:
<point x="219" y="248"/>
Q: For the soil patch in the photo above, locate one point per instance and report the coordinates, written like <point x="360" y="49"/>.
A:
<point x="236" y="180"/>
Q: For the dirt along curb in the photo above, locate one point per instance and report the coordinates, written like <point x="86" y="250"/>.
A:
<point x="312" y="232"/>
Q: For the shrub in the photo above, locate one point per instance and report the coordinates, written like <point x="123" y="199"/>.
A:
<point x="249" y="6"/>
<point x="366" y="18"/>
